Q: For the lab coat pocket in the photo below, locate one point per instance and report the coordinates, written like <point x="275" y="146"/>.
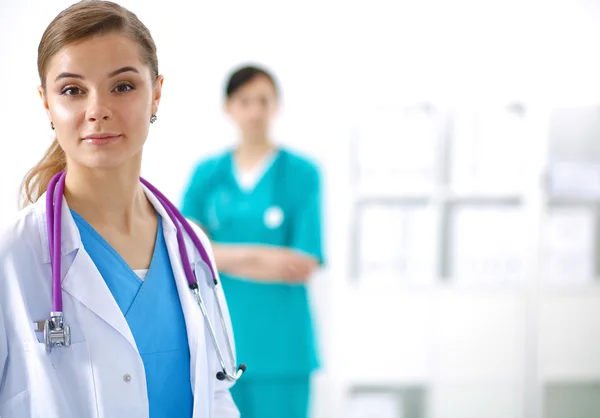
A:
<point x="16" y="407"/>
<point x="69" y="371"/>
<point x="68" y="359"/>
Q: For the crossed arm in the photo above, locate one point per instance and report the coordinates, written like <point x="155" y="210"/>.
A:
<point x="264" y="263"/>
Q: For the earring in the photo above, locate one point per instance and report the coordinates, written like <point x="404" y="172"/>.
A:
<point x="52" y="125"/>
<point x="153" y="118"/>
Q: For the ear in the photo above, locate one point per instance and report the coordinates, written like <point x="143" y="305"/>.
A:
<point x="157" y="93"/>
<point x="276" y="110"/>
<point x="44" y="102"/>
<point x="227" y="107"/>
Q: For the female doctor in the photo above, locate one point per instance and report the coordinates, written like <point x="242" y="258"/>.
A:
<point x="260" y="204"/>
<point x="101" y="283"/>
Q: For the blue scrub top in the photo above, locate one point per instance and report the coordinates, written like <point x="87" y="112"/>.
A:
<point x="153" y="312"/>
<point x="272" y="322"/>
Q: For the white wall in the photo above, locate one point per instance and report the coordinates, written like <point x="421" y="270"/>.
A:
<point x="333" y="58"/>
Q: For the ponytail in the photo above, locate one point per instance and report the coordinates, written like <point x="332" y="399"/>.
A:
<point x="37" y="179"/>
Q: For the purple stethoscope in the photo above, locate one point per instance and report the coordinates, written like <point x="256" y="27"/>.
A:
<point x="58" y="334"/>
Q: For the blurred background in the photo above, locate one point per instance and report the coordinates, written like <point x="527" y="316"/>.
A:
<point x="460" y="146"/>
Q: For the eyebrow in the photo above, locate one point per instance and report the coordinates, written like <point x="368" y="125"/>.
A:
<point x="111" y="75"/>
<point x="123" y="70"/>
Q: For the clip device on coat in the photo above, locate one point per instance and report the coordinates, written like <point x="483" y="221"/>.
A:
<point x="56" y="333"/>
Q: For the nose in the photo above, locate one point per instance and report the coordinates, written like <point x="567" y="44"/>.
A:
<point x="98" y="108"/>
<point x="257" y="111"/>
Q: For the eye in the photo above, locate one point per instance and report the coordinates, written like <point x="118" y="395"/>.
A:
<point x="71" y="91"/>
<point x="124" y="88"/>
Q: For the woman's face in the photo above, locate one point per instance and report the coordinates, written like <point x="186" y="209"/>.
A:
<point x="253" y="106"/>
<point x="100" y="96"/>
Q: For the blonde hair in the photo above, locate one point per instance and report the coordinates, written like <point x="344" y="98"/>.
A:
<point x="80" y="21"/>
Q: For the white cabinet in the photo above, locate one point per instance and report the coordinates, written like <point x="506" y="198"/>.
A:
<point x="473" y="259"/>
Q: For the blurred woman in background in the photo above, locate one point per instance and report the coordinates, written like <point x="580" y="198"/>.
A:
<point x="260" y="204"/>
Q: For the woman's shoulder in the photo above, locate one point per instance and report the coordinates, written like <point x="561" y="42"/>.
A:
<point x="21" y="235"/>
<point x="204" y="171"/>
<point x="212" y="161"/>
<point x="303" y="165"/>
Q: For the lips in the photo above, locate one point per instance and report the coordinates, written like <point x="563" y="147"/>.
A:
<point x="101" y="139"/>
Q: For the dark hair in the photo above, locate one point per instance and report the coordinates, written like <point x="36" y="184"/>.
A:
<point x="244" y="75"/>
<point x="81" y="21"/>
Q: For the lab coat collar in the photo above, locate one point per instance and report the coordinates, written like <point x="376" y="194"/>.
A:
<point x="71" y="239"/>
<point x="194" y="320"/>
<point x="168" y="226"/>
<point x="80" y="277"/>
<point x="94" y="293"/>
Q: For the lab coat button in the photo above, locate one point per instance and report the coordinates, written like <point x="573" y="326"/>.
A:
<point x="127" y="378"/>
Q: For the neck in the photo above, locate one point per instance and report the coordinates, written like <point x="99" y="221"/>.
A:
<point x="112" y="197"/>
<point x="251" y="150"/>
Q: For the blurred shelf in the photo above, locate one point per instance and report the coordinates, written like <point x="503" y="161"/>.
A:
<point x="499" y="381"/>
<point x="386" y="378"/>
<point x="501" y="285"/>
<point x="487" y="189"/>
<point x="533" y="329"/>
<point x="424" y="285"/>
<point x="393" y="195"/>
<point x="571" y="379"/>
<point x="394" y="199"/>
<point x="383" y="379"/>
<point x="484" y="198"/>
<point x="572" y="200"/>
<point x="425" y="197"/>
<point x="395" y="285"/>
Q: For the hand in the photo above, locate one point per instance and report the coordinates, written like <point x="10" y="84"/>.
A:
<point x="264" y="263"/>
<point x="291" y="265"/>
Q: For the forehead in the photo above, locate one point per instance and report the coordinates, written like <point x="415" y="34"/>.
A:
<point x="96" y="56"/>
<point x="259" y="85"/>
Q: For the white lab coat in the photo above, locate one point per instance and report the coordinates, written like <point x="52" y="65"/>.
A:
<point x="101" y="375"/>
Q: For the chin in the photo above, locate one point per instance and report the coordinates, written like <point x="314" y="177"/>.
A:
<point x="104" y="165"/>
<point x="108" y="159"/>
<point x="106" y="162"/>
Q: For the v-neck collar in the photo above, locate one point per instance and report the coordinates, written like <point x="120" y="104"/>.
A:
<point x="81" y="221"/>
<point x="267" y="163"/>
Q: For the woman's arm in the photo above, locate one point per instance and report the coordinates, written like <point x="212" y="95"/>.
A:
<point x="264" y="263"/>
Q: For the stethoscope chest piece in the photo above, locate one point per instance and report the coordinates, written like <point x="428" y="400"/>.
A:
<point x="56" y="333"/>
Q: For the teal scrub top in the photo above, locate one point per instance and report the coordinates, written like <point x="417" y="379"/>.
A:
<point x="272" y="322"/>
<point x="153" y="312"/>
